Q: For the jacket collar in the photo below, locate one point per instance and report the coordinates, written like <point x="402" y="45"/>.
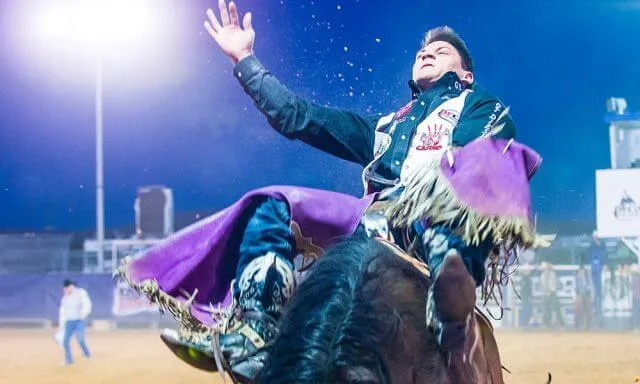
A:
<point x="449" y="83"/>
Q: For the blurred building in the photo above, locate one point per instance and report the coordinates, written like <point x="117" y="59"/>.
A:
<point x="154" y="212"/>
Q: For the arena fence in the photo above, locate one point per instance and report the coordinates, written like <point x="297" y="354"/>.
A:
<point x="32" y="300"/>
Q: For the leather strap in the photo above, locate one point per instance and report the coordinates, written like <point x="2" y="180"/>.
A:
<point x="491" y="351"/>
<point x="418" y="264"/>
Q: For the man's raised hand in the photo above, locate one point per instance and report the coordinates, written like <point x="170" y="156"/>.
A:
<point x="235" y="41"/>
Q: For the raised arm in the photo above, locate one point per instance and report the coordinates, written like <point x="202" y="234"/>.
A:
<point x="338" y="132"/>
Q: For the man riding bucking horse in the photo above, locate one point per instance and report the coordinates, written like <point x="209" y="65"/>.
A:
<point x="242" y="258"/>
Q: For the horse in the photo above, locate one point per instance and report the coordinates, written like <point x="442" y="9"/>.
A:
<point x="359" y="318"/>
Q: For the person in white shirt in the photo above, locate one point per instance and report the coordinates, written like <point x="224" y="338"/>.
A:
<point x="75" y="306"/>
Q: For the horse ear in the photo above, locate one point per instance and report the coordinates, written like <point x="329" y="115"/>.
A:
<point x="358" y="375"/>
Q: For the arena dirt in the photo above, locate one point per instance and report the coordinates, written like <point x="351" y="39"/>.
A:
<point x="32" y="357"/>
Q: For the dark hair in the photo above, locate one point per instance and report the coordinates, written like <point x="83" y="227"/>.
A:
<point x="68" y="282"/>
<point x="450" y="36"/>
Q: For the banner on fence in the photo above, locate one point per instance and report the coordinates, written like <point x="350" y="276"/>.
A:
<point x="127" y="302"/>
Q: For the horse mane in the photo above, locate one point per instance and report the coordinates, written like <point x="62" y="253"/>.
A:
<point x="355" y="300"/>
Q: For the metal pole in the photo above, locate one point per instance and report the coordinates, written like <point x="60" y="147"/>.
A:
<point x="114" y="256"/>
<point x="99" y="169"/>
<point x="613" y="145"/>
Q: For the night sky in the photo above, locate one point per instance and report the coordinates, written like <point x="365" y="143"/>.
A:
<point x="174" y="114"/>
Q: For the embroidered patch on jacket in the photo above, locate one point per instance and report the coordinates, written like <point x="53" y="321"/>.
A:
<point x="402" y="113"/>
<point x="492" y="119"/>
<point x="432" y="139"/>
<point x="449" y="115"/>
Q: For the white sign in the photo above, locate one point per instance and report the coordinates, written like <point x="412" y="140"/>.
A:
<point x="618" y="202"/>
<point x="127" y="301"/>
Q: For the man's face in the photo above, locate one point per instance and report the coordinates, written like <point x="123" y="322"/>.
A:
<point x="436" y="59"/>
<point x="67" y="290"/>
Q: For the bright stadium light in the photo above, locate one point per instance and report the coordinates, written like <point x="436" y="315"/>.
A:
<point x="90" y="24"/>
<point x="124" y="28"/>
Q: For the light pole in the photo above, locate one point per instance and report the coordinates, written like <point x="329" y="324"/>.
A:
<point x="99" y="168"/>
<point x="102" y="27"/>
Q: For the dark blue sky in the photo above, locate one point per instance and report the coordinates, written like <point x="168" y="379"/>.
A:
<point x="174" y="115"/>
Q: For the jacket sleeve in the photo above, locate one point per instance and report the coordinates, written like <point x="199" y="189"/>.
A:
<point x="338" y="132"/>
<point x="86" y="304"/>
<point x="483" y="115"/>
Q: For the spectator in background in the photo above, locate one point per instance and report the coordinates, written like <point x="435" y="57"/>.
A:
<point x="75" y="306"/>
<point x="550" y="303"/>
<point x="584" y="289"/>
<point x="598" y="253"/>
<point x="635" y="296"/>
<point x="526" y="291"/>
<point x="623" y="300"/>
<point x="617" y="286"/>
<point x="607" y="283"/>
<point x="625" y="282"/>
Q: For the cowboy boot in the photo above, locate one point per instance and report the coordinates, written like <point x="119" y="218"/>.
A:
<point x="263" y="289"/>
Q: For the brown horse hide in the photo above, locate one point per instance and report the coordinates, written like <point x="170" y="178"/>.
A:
<point x="359" y="318"/>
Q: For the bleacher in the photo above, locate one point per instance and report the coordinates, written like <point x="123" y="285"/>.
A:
<point x="35" y="252"/>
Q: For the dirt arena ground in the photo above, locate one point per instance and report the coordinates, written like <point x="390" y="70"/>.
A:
<point x="32" y="357"/>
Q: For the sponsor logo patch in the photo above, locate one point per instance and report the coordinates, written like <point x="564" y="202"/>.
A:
<point x="402" y="113"/>
<point x="449" y="115"/>
<point x="432" y="139"/>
